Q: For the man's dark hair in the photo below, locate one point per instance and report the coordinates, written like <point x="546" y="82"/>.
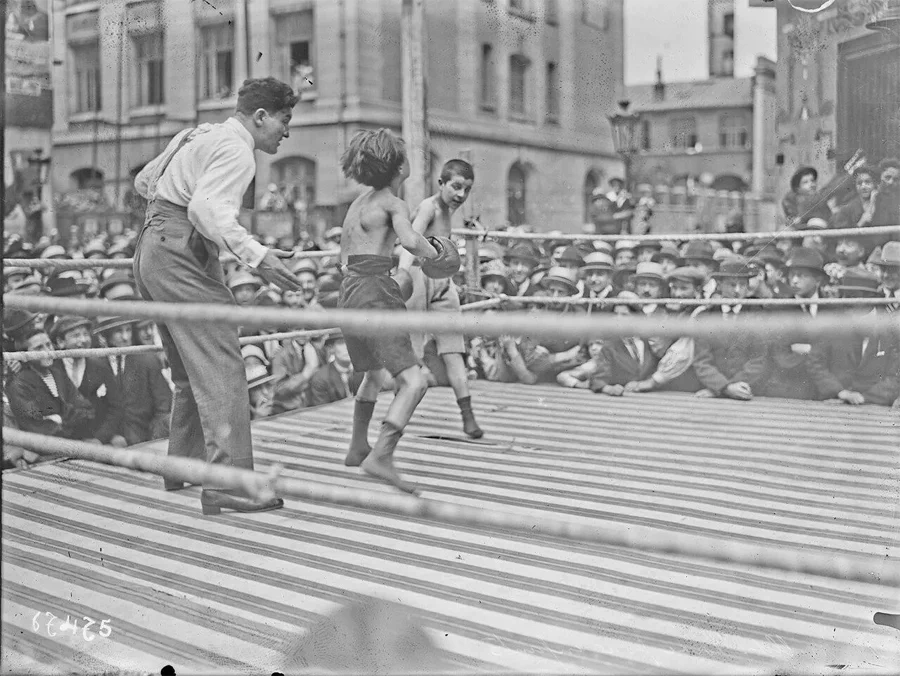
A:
<point x="459" y="168"/>
<point x="267" y="93"/>
<point x="867" y="170"/>
<point x="374" y="158"/>
<point x="888" y="163"/>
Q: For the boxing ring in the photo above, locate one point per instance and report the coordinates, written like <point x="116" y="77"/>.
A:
<point x="224" y="594"/>
<point x="654" y="533"/>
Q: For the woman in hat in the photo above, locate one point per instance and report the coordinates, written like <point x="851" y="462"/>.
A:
<point x="521" y="260"/>
<point x="803" y="201"/>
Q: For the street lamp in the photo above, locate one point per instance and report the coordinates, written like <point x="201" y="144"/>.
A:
<point x="35" y="225"/>
<point x="626" y="137"/>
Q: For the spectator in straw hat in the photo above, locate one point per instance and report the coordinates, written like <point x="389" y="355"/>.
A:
<point x="147" y="396"/>
<point x="119" y="286"/>
<point x="13" y="276"/>
<point x="42" y="399"/>
<point x="623" y="361"/>
<point x="732" y="366"/>
<point x="55" y="252"/>
<point x="888" y="265"/>
<point x="790" y="376"/>
<point x="522" y="259"/>
<point x="625" y="252"/>
<point x="244" y="287"/>
<point x="598" y="274"/>
<point x="863" y="368"/>
<point x="259" y="387"/>
<point x="335" y="380"/>
<point x="93" y="377"/>
<point x="29" y="286"/>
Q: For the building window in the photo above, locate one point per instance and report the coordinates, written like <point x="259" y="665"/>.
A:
<point x="683" y="133"/>
<point x="148" y="67"/>
<point x="552" y="92"/>
<point x="515" y="195"/>
<point x="86" y="178"/>
<point x="296" y="181"/>
<point x="551" y="12"/>
<point x="733" y="131"/>
<point x="728" y="25"/>
<point x="518" y="80"/>
<point x="591" y="183"/>
<point x="645" y="135"/>
<point x="216" y="61"/>
<point x="488" y="88"/>
<point x="294" y="34"/>
<point x="86" y="66"/>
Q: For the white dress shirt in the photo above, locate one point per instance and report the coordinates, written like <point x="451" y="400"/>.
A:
<point x="209" y="176"/>
<point x="75" y="370"/>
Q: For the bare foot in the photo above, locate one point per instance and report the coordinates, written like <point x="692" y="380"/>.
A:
<point x="355" y="456"/>
<point x="384" y="469"/>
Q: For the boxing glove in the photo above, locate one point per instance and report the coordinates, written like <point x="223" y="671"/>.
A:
<point x="405" y="282"/>
<point x="446" y="263"/>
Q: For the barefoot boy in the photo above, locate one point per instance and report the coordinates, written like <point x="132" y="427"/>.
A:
<point x="375" y="220"/>
<point x="432" y="219"/>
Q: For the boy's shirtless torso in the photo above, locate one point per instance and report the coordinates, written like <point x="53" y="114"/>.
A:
<point x="437" y="214"/>
<point x="369" y="224"/>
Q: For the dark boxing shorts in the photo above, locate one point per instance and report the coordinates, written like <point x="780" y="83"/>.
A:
<point x="367" y="285"/>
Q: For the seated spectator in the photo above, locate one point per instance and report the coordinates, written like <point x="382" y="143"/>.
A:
<point x="675" y="371"/>
<point x="699" y="254"/>
<point x="732" y="366"/>
<point x="119" y="286"/>
<point x="306" y="270"/>
<point x="860" y="369"/>
<point x="622" y="361"/>
<point x="254" y="355"/>
<point x="867" y="208"/>
<point x="244" y="286"/>
<point x="849" y="255"/>
<point x="494" y="280"/>
<point x="292" y="367"/>
<point x="888" y="265"/>
<point x="625" y="252"/>
<point x="803" y="202"/>
<point x="649" y="284"/>
<point x="259" y="387"/>
<point x="646" y="250"/>
<point x="598" y="275"/>
<point x="668" y="257"/>
<point x="335" y="380"/>
<point x="43" y="399"/>
<point x="147" y="397"/>
<point x="522" y="260"/>
<point x="790" y="376"/>
<point x="93" y="377"/>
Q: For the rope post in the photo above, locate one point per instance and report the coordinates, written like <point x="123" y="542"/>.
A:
<point x="473" y="279"/>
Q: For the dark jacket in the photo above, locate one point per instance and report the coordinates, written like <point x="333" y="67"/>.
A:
<point x="100" y="387"/>
<point x="790" y="377"/>
<point x="148" y="399"/>
<point x="839" y="364"/>
<point x="732" y="359"/>
<point x="616" y="366"/>
<point x="327" y="386"/>
<point x="32" y="403"/>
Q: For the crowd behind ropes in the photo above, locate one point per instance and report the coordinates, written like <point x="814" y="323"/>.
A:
<point x="125" y="400"/>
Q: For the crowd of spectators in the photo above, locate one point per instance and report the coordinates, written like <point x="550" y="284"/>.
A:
<point x="124" y="400"/>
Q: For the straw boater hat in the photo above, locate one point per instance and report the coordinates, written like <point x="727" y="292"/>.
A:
<point x="305" y="265"/>
<point x="649" y="270"/>
<point x="94" y="248"/>
<point x="258" y="375"/>
<point x="625" y="244"/>
<point x="599" y="260"/>
<point x="562" y="276"/>
<point x="667" y="250"/>
<point x="604" y="246"/>
<point x="890" y="255"/>
<point x="32" y="282"/>
<point x="118" y="286"/>
<point x="243" y="278"/>
<point x="54" y="251"/>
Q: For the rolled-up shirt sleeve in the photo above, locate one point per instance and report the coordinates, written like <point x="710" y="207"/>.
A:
<point x="216" y="202"/>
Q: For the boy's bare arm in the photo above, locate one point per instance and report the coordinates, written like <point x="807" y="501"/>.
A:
<point x="414" y="242"/>
<point x="424" y="217"/>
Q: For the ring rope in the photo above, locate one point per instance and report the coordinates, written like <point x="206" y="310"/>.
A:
<point x="32" y="355"/>
<point x="265" y="485"/>
<point x="370" y="322"/>
<point x="699" y="302"/>
<point x="683" y="237"/>
<point x="115" y="263"/>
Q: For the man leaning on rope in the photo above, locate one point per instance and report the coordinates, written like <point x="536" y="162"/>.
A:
<point x="194" y="190"/>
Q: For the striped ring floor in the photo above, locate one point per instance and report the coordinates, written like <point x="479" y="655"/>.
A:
<point x="227" y="594"/>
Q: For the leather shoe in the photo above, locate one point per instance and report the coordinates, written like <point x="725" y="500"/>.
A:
<point x="213" y="502"/>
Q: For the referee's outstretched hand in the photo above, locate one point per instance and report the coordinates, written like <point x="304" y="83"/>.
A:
<point x="275" y="272"/>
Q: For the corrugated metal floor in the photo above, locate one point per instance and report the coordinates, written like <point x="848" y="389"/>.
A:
<point x="222" y="594"/>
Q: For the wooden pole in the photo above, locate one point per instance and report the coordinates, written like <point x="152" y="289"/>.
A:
<point x="415" y="127"/>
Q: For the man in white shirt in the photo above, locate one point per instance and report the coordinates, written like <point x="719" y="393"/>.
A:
<point x="194" y="191"/>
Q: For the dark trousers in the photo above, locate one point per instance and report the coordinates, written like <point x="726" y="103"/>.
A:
<point x="211" y="404"/>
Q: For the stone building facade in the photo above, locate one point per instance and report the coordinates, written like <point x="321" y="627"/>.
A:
<point x="521" y="88"/>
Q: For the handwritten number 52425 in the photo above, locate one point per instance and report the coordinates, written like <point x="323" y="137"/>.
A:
<point x="104" y="631"/>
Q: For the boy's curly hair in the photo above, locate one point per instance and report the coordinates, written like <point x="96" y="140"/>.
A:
<point x="374" y="158"/>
